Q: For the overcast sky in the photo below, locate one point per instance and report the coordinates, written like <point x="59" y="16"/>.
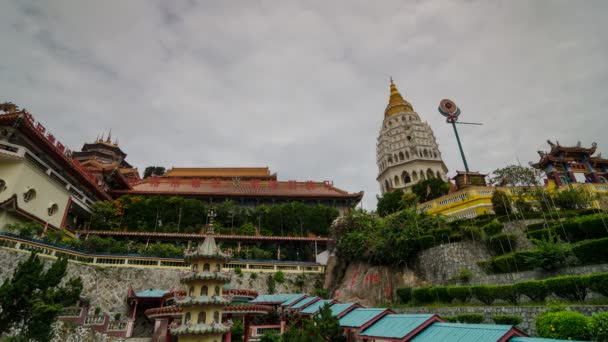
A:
<point x="301" y="86"/>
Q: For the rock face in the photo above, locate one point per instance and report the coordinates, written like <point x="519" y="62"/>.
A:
<point x="107" y="286"/>
<point x="373" y="285"/>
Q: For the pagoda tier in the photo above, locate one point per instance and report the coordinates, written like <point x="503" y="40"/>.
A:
<point x="203" y="303"/>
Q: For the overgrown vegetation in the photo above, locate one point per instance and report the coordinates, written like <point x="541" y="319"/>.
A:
<point x="321" y="327"/>
<point x="185" y="215"/>
<point x="568" y="288"/>
<point x="561" y="324"/>
<point x="33" y="297"/>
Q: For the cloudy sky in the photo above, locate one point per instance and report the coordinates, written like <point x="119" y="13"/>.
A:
<point x="301" y="86"/>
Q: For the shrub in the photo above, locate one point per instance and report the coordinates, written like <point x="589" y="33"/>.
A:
<point x="97" y="310"/>
<point x="598" y="327"/>
<point x="599" y="283"/>
<point x="117" y="316"/>
<point x="253" y="276"/>
<point x="270" y="284"/>
<point x="473" y="233"/>
<point x="592" y="252"/>
<point x="238" y="271"/>
<point x="440" y="294"/>
<point x="493" y="228"/>
<point x="422" y="295"/>
<point x="594" y="226"/>
<point x="540" y="234"/>
<point x="511" y="262"/>
<point x="571" y="288"/>
<point x="502" y="243"/>
<point x="451" y="319"/>
<point x="539" y="226"/>
<point x="279" y="277"/>
<point x="404" y="294"/>
<point x="425" y="242"/>
<point x="550" y="254"/>
<point x="565" y="325"/>
<point x="536" y="290"/>
<point x="464" y="275"/>
<point x="471" y="318"/>
<point x="507" y="319"/>
<point x="507" y="293"/>
<point x="483" y="293"/>
<point x="462" y="293"/>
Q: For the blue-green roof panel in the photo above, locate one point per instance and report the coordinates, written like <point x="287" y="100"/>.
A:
<point x="536" y="339"/>
<point x="359" y="317"/>
<point x="274" y="298"/>
<point x="151" y="293"/>
<point x="314" y="307"/>
<point x="457" y="332"/>
<point x="339" y="308"/>
<point x="293" y="300"/>
<point x="303" y="302"/>
<point x="396" y="326"/>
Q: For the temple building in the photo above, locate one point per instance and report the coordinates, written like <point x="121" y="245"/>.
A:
<point x="573" y="164"/>
<point x="203" y="305"/>
<point x="107" y="162"/>
<point x="406" y="151"/>
<point x="39" y="180"/>
<point x="247" y="186"/>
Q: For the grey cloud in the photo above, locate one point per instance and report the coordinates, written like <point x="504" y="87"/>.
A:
<point x="301" y="86"/>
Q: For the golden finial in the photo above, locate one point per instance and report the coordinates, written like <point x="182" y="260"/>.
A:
<point x="109" y="139"/>
<point x="396" y="103"/>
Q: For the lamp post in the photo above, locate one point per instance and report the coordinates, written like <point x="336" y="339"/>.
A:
<point x="449" y="109"/>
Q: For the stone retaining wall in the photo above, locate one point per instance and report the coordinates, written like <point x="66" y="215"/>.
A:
<point x="439" y="264"/>
<point x="527" y="313"/>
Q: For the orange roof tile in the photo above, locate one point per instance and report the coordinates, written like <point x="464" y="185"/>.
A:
<point x="218" y="172"/>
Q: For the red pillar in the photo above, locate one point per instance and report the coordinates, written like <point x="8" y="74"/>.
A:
<point x="229" y="333"/>
<point x="246" y="324"/>
<point x="134" y="310"/>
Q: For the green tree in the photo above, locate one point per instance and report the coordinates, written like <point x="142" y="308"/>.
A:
<point x="32" y="298"/>
<point x="322" y="327"/>
<point x="430" y="189"/>
<point x="501" y="203"/>
<point x="516" y="175"/>
<point x="390" y="202"/>
<point x="571" y="199"/>
<point x="26" y="229"/>
<point x="154" y="171"/>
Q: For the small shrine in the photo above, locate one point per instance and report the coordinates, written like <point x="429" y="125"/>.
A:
<point x="203" y="304"/>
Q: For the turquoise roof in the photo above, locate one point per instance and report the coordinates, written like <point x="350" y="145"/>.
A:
<point x="339" y="308"/>
<point x="535" y="339"/>
<point x="274" y="298"/>
<point x="303" y="302"/>
<point x="359" y="317"/>
<point x="395" y="326"/>
<point x="314" y="307"/>
<point x="151" y="293"/>
<point x="459" y="332"/>
<point x="293" y="300"/>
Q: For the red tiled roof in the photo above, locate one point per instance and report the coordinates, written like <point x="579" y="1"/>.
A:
<point x="249" y="188"/>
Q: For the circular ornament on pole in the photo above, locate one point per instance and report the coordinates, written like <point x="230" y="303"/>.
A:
<point x="449" y="109"/>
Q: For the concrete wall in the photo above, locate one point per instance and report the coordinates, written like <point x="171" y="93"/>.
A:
<point x="527" y="313"/>
<point x="107" y="286"/>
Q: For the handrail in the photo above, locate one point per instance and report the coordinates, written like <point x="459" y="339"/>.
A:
<point x="135" y="260"/>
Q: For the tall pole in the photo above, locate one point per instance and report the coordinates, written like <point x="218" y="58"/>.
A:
<point x="464" y="159"/>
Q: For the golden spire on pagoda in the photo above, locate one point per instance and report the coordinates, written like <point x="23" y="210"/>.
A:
<point x="109" y="138"/>
<point x="396" y="103"/>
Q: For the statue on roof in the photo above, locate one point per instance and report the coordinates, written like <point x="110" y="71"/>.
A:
<point x="551" y="143"/>
<point x="9" y="107"/>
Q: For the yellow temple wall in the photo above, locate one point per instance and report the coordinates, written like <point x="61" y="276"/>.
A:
<point x="21" y="176"/>
<point x="477" y="200"/>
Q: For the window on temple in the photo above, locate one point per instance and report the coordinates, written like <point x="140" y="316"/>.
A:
<point x="429" y="174"/>
<point x="396" y="181"/>
<point x="194" y="267"/>
<point x="187" y="318"/>
<point x="407" y="155"/>
<point x="602" y="180"/>
<point x="217" y="291"/>
<point x="438" y="174"/>
<point x="422" y="175"/>
<point x="53" y="209"/>
<point x="414" y="176"/>
<point x="204" y="290"/>
<point x="216" y="317"/>
<point x="401" y="156"/>
<point x="206" y="268"/>
<point x="426" y="153"/>
<point x="409" y="138"/>
<point x="217" y="268"/>
<point x="202" y="317"/>
<point x="29" y="195"/>
<point x="406" y="177"/>
<point x="2" y="185"/>
<point x="191" y="292"/>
